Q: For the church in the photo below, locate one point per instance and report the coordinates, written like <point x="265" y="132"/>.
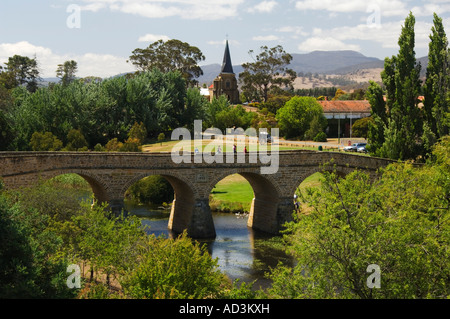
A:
<point x="226" y="83"/>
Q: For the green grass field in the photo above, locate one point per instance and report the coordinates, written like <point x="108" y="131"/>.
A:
<point x="235" y="194"/>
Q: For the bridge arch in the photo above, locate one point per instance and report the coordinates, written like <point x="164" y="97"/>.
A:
<point x="96" y="183"/>
<point x="264" y="206"/>
<point x="184" y="198"/>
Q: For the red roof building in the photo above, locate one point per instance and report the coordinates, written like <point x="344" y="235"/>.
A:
<point x="342" y="114"/>
<point x="346" y="109"/>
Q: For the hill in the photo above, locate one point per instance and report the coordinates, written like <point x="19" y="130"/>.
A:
<point x="336" y="68"/>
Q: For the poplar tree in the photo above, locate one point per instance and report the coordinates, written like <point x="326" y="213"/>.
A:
<point x="436" y="110"/>
<point x="379" y="115"/>
<point x="401" y="78"/>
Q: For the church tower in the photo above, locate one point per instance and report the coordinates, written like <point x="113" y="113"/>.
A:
<point x="226" y="83"/>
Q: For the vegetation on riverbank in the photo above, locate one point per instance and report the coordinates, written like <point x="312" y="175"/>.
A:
<point x="399" y="222"/>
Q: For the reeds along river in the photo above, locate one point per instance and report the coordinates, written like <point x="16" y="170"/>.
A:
<point x="242" y="253"/>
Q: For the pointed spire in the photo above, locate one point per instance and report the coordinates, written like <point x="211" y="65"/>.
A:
<point x="227" y="67"/>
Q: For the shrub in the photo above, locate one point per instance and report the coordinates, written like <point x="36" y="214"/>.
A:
<point x="114" y="145"/>
<point x="321" y="137"/>
<point x="76" y="141"/>
<point x="174" y="269"/>
<point x="45" y="142"/>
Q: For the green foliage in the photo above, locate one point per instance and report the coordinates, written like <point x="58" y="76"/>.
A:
<point x="76" y="141"/>
<point x="102" y="110"/>
<point x="22" y="71"/>
<point x="113" y="145"/>
<point x="45" y="142"/>
<point x="174" y="269"/>
<point x="6" y="132"/>
<point x="29" y="264"/>
<point x="316" y="127"/>
<point x="171" y="55"/>
<point x="131" y="145"/>
<point x="154" y="189"/>
<point x="399" y="222"/>
<point x="269" y="71"/>
<point x="66" y="72"/>
<point x="274" y="103"/>
<point x="295" y="117"/>
<point x="397" y="126"/>
<point x="320" y="137"/>
<point x="161" y="137"/>
<point x="361" y="127"/>
<point x="139" y="132"/>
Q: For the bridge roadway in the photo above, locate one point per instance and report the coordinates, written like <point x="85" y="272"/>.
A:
<point x="111" y="174"/>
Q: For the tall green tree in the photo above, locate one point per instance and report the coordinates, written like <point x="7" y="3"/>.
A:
<point x="379" y="116"/>
<point x="66" y="71"/>
<point x="401" y="78"/>
<point x="171" y="55"/>
<point x="436" y="104"/>
<point x="24" y="71"/>
<point x="295" y="118"/>
<point x="268" y="70"/>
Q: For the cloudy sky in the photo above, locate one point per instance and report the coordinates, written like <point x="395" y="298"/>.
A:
<point x="101" y="34"/>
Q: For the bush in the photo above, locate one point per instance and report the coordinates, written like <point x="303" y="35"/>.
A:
<point x="45" y="142"/>
<point x="76" y="141"/>
<point x="114" y="145"/>
<point x="361" y="127"/>
<point x="131" y="145"/>
<point x="398" y="222"/>
<point x="138" y="132"/>
<point x="174" y="269"/>
<point x="321" y="137"/>
<point x="99" y="148"/>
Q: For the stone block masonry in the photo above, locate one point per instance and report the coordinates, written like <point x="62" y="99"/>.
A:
<point x="111" y="174"/>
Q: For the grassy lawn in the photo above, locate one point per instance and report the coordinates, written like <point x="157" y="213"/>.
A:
<point x="234" y="193"/>
<point x="167" y="146"/>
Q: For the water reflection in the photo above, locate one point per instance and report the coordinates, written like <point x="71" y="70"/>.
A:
<point x="242" y="252"/>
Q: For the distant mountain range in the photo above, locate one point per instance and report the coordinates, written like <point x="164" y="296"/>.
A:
<point x="321" y="62"/>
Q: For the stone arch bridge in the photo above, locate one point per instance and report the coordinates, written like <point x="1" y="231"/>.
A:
<point x="111" y="174"/>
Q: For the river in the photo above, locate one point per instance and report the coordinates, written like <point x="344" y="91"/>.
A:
<point x="242" y="253"/>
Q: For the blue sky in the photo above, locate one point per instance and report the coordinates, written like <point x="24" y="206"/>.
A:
<point x="101" y="34"/>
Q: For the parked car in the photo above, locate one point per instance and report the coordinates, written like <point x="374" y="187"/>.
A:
<point x="354" y="147"/>
<point x="362" y="149"/>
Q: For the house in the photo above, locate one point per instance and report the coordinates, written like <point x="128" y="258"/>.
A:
<point x="342" y="114"/>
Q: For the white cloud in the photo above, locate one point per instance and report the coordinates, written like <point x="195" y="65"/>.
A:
<point x="266" y="38"/>
<point x="186" y="9"/>
<point x="153" y="38"/>
<point x="264" y="7"/>
<point x="386" y="34"/>
<point x="89" y="64"/>
<point x="385" y="7"/>
<point x="326" y="44"/>
<point x="293" y="30"/>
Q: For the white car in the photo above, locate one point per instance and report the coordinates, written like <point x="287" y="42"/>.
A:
<point x="362" y="149"/>
<point x="354" y="147"/>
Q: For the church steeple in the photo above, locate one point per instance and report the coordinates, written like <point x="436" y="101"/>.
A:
<point x="227" y="66"/>
<point x="226" y="83"/>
